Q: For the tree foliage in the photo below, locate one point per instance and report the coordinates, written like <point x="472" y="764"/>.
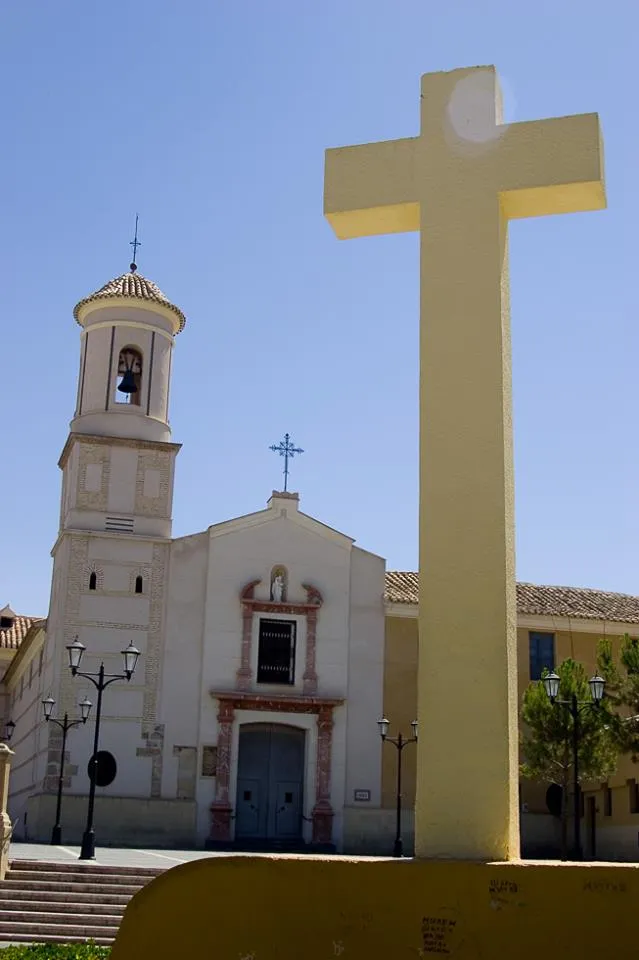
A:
<point x="622" y="692"/>
<point x="547" y="736"/>
<point x="548" y="732"/>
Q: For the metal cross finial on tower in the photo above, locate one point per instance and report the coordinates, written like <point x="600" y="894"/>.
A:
<point x="286" y="449"/>
<point x="135" y="243"/>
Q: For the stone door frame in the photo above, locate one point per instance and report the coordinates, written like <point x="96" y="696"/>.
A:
<point x="228" y="702"/>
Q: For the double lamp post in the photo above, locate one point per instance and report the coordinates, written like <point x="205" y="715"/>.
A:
<point x="399" y="742"/>
<point x="65" y="725"/>
<point x="100" y="681"/>
<point x="575" y="708"/>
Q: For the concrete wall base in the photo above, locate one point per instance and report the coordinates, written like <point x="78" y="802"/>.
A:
<point x="371" y="832"/>
<point x="119" y="821"/>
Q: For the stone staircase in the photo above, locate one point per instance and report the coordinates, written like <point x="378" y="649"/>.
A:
<point x="66" y="902"/>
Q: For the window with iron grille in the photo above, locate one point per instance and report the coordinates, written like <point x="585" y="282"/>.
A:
<point x="276" y="652"/>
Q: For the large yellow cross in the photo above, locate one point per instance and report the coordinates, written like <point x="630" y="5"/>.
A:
<point x="458" y="183"/>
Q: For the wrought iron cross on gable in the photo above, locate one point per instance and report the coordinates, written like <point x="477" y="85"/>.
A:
<point x="286" y="449"/>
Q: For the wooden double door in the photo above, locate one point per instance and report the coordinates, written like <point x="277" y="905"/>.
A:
<point x="270" y="781"/>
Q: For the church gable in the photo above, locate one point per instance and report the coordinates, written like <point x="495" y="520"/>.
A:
<point x="281" y="506"/>
<point x="278" y="554"/>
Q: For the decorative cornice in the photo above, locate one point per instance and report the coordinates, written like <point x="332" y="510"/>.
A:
<point x="246" y="593"/>
<point x="114" y="442"/>
<point x="245" y="700"/>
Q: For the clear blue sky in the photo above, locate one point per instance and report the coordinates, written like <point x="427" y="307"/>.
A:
<point x="211" y="120"/>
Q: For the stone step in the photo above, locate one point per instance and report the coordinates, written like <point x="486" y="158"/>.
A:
<point x="56" y="932"/>
<point x="17" y="894"/>
<point x="78" y="877"/>
<point x="64" y="887"/>
<point x="71" y="919"/>
<point x="85" y="866"/>
<point x="67" y="902"/>
<point x="63" y="907"/>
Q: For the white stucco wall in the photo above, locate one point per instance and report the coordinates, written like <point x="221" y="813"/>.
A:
<point x="204" y="641"/>
<point x="200" y="652"/>
<point x="26" y="685"/>
<point x="182" y="672"/>
<point x="365" y="676"/>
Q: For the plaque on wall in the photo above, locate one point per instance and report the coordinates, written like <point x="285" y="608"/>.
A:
<point x="362" y="796"/>
<point x="209" y="761"/>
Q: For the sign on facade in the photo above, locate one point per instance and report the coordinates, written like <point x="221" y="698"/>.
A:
<point x="361" y="796"/>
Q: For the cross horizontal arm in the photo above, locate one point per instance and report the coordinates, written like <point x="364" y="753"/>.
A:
<point x="552" y="166"/>
<point x="370" y="189"/>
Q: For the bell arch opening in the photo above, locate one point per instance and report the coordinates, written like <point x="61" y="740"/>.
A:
<point x="128" y="387"/>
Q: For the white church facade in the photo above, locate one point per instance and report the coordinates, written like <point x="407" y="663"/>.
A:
<point x="250" y="717"/>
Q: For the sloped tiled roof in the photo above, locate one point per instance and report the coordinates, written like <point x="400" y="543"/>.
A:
<point x="11" y="637"/>
<point x="579" y="602"/>
<point x="402" y="587"/>
<point x="135" y="287"/>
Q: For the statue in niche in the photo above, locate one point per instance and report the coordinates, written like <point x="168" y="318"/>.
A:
<point x="278" y="585"/>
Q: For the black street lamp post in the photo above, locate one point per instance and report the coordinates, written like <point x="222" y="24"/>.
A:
<point x="100" y="681"/>
<point x="7" y="733"/>
<point x="574" y="707"/>
<point x="399" y="742"/>
<point x="65" y="725"/>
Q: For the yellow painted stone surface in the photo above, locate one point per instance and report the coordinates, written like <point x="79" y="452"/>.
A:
<point x="257" y="908"/>
<point x="459" y="182"/>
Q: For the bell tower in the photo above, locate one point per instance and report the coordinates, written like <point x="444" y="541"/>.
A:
<point x="128" y="331"/>
<point x="111" y="555"/>
<point x="118" y="460"/>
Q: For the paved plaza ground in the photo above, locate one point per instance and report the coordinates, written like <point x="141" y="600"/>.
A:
<point x="125" y="857"/>
<point x="113" y="856"/>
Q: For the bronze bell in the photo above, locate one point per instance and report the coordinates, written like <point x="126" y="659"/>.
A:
<point x="127" y="384"/>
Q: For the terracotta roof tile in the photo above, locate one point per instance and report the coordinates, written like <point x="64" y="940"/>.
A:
<point x="11" y="637"/>
<point x="402" y="587"/>
<point x="136" y="287"/>
<point x="579" y="602"/>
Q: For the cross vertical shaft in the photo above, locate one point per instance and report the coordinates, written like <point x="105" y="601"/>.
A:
<point x="135" y="243"/>
<point x="459" y="182"/>
<point x="287" y="449"/>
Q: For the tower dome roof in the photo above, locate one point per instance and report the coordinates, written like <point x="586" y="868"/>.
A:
<point x="131" y="286"/>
